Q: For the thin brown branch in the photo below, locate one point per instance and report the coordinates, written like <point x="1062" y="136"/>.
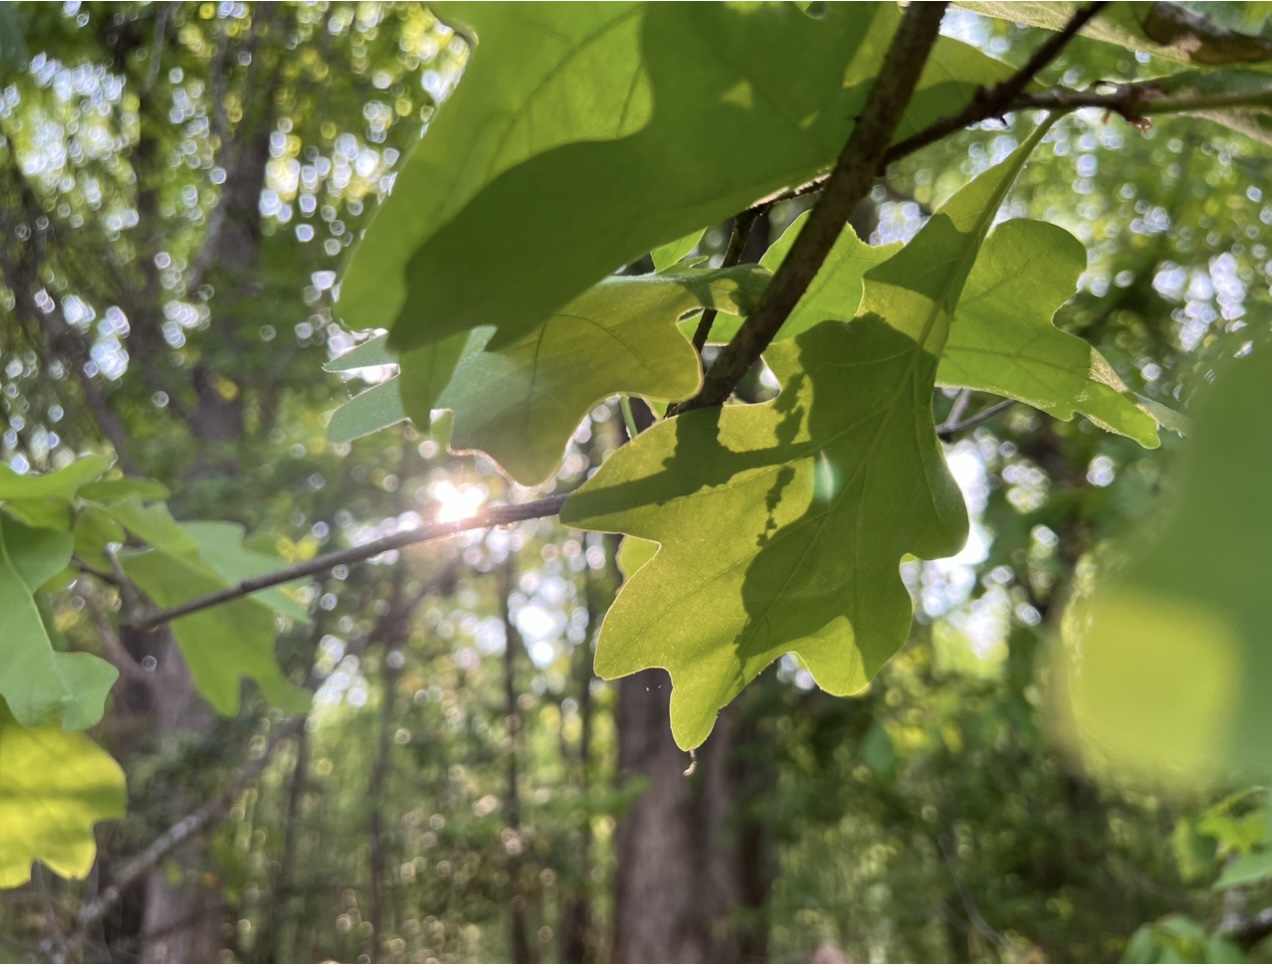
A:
<point x="1251" y="930"/>
<point x="978" y="921"/>
<point x="1002" y="98"/>
<point x="197" y="821"/>
<point x="987" y="103"/>
<point x="112" y="647"/>
<point x="743" y="223"/>
<point x="490" y="518"/>
<point x="953" y="425"/>
<point x="849" y="182"/>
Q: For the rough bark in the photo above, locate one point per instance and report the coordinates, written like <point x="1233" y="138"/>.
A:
<point x="693" y="868"/>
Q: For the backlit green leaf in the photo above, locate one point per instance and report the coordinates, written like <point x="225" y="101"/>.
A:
<point x="778" y="91"/>
<point x="674" y="252"/>
<point x="835" y="292"/>
<point x="1002" y="339"/>
<point x="54" y="787"/>
<point x="542" y="75"/>
<point x="782" y="525"/>
<point x="520" y="404"/>
<point x="220" y="545"/>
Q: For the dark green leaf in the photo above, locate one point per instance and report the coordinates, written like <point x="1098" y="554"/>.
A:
<point x="541" y="233"/>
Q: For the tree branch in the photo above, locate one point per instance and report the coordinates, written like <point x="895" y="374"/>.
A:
<point x="1001" y="98"/>
<point x="743" y="223"/>
<point x="499" y="515"/>
<point x="197" y="821"/>
<point x="1134" y="101"/>
<point x="848" y="184"/>
<point x="992" y="103"/>
<point x="953" y="425"/>
<point x="1251" y="930"/>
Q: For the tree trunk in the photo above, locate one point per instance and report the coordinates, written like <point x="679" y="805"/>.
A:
<point x="693" y="877"/>
<point x="181" y="921"/>
<point x="519" y="933"/>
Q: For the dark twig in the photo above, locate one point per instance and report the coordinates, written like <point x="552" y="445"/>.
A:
<point x="742" y="226"/>
<point x="978" y="922"/>
<point x="1134" y="101"/>
<point x="954" y="426"/>
<point x="205" y="816"/>
<point x="85" y="568"/>
<point x="848" y="184"/>
<point x="1251" y="930"/>
<point x="499" y="515"/>
<point x="959" y="407"/>
<point x="988" y="103"/>
<point x="997" y="101"/>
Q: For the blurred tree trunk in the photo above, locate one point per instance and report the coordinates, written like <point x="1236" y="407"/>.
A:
<point x="694" y="865"/>
<point x="522" y="948"/>
<point x="182" y="922"/>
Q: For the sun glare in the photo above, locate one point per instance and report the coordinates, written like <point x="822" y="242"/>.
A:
<point x="455" y="502"/>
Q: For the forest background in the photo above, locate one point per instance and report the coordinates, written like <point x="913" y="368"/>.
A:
<point x="182" y="186"/>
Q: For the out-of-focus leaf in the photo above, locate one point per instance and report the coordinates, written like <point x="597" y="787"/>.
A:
<point x="221" y="645"/>
<point x="220" y="545"/>
<point x="1140" y="947"/>
<point x="54" y="787"/>
<point x="1194" y="850"/>
<point x="38" y="682"/>
<point x="94" y="531"/>
<point x="1219" y="950"/>
<point x="117" y="489"/>
<point x="13" y="51"/>
<point x="153" y="524"/>
<point x="61" y="484"/>
<point x="1169" y="665"/>
<point x="1246" y="869"/>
